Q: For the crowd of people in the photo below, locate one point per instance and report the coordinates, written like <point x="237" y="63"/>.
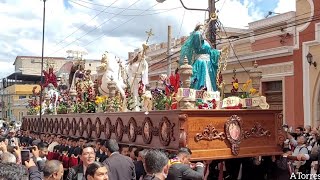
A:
<point x="32" y="155"/>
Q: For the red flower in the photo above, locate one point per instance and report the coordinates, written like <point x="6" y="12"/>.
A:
<point x="174" y="105"/>
<point x="214" y="104"/>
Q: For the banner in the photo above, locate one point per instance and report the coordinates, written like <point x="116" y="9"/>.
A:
<point x="197" y="94"/>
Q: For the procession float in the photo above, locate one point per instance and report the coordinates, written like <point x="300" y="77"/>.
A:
<point x="190" y="111"/>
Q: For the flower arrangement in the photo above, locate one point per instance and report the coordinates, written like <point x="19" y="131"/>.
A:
<point x="207" y="105"/>
<point x="247" y="93"/>
<point x="62" y="108"/>
<point x="159" y="99"/>
<point x="101" y="103"/>
<point x="235" y="84"/>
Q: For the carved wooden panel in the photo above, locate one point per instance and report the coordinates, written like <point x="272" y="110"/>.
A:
<point x="210" y="133"/>
<point x="107" y="128"/>
<point x="63" y="125"/>
<point x="81" y="127"/>
<point x="74" y="126"/>
<point x="46" y="125"/>
<point x="51" y="125"/>
<point x="56" y="126"/>
<point x="132" y="130"/>
<point x="69" y="125"/>
<point x="183" y="130"/>
<point x="205" y="132"/>
<point x="89" y="128"/>
<point x="98" y="128"/>
<point x="166" y="131"/>
<point x="119" y="129"/>
<point x="147" y="131"/>
<point x="40" y="125"/>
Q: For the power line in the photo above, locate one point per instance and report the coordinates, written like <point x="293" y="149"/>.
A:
<point x="167" y="10"/>
<point x="234" y="52"/>
<point x="95" y="4"/>
<point x="272" y="28"/>
<point x="184" y="12"/>
<point x="166" y="64"/>
<point x="86" y="23"/>
<point x="96" y="27"/>
<point x="256" y="34"/>
<point x="119" y="26"/>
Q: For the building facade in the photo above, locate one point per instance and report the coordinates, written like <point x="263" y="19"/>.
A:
<point x="280" y="45"/>
<point x="17" y="88"/>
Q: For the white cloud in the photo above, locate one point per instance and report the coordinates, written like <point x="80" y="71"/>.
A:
<point x="6" y="68"/>
<point x="285" y="6"/>
<point x="22" y="33"/>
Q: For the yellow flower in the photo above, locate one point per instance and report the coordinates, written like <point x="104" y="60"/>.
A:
<point x="99" y="100"/>
<point x="245" y="87"/>
<point x="235" y="85"/>
<point x="253" y="91"/>
<point x="249" y="81"/>
<point x="37" y="108"/>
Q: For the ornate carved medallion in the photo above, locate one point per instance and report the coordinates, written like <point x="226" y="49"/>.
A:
<point x="46" y="122"/>
<point x="81" y="127"/>
<point x="74" y="126"/>
<point x="56" y="125"/>
<point x="166" y="131"/>
<point x="233" y="129"/>
<point x="210" y="133"/>
<point x="119" y="129"/>
<point x="51" y="126"/>
<point x="63" y="125"/>
<point x="69" y="124"/>
<point x="30" y="124"/>
<point x="147" y="130"/>
<point x="281" y="134"/>
<point x="98" y="128"/>
<point x="257" y="131"/>
<point x="132" y="129"/>
<point x="107" y="128"/>
<point x="89" y="127"/>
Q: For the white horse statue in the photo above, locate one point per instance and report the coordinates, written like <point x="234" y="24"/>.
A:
<point x="113" y="68"/>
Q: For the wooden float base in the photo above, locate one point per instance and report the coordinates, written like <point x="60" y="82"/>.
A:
<point x="210" y="134"/>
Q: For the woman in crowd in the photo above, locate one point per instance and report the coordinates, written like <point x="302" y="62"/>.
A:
<point x="96" y="171"/>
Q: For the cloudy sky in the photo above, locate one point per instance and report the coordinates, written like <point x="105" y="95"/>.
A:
<point x="117" y="26"/>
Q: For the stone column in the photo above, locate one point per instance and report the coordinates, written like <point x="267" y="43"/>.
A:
<point x="185" y="76"/>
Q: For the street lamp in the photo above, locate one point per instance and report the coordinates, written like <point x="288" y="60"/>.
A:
<point x="310" y="60"/>
<point x="193" y="9"/>
<point x="41" y="81"/>
<point x="211" y="10"/>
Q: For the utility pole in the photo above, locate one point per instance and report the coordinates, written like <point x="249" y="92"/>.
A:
<point x="212" y="25"/>
<point x="42" y="54"/>
<point x="169" y="51"/>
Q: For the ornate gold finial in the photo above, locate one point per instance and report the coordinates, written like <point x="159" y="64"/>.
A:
<point x="149" y="34"/>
